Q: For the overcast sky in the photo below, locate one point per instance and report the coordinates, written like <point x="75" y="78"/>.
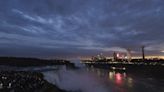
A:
<point x="72" y="28"/>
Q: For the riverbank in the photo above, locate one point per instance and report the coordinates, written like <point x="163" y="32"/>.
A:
<point x="24" y="81"/>
<point x="26" y="62"/>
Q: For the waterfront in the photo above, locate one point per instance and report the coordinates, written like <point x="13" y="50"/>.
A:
<point x="120" y="81"/>
<point x="103" y="80"/>
<point x="92" y="79"/>
<point x="25" y="81"/>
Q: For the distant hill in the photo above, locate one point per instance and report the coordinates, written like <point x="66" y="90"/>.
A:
<point x="20" y="61"/>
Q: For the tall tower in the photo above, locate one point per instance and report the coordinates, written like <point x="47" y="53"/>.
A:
<point x="129" y="55"/>
<point x="114" y="56"/>
<point x="143" y="53"/>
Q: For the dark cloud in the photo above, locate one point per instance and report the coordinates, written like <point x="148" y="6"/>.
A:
<point x="68" y="28"/>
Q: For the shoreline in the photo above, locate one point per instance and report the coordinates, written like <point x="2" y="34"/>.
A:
<point x="25" y="81"/>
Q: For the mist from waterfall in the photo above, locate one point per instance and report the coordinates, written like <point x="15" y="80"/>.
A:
<point x="76" y="80"/>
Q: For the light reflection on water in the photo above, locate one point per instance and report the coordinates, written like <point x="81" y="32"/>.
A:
<point x="110" y="81"/>
<point x="122" y="81"/>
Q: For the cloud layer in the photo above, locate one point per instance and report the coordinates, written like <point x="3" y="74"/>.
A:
<point x="68" y="28"/>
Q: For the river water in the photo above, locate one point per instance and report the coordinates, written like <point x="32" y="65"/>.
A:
<point x="104" y="80"/>
<point x="91" y="79"/>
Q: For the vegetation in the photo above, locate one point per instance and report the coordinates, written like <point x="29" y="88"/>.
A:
<point x="17" y="61"/>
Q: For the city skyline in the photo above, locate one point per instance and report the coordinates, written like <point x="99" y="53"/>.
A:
<point x="81" y="28"/>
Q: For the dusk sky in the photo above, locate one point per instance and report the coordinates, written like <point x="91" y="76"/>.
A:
<point x="72" y="28"/>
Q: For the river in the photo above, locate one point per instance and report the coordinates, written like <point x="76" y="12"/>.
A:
<point x="104" y="80"/>
<point x="89" y="79"/>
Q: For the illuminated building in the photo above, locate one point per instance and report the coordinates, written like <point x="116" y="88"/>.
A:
<point x="119" y="56"/>
<point x="99" y="57"/>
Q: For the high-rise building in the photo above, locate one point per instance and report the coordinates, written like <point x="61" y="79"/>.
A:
<point x="129" y="55"/>
<point x="114" y="56"/>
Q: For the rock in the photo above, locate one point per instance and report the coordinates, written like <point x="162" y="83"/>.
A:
<point x="23" y="81"/>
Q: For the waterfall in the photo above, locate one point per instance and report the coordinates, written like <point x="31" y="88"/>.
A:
<point x="77" y="63"/>
<point x="76" y="80"/>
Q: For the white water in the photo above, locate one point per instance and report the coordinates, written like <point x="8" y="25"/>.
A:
<point x="78" y="80"/>
<point x="78" y="63"/>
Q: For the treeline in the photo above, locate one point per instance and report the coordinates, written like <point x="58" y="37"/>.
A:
<point x="20" y="61"/>
<point x="149" y="60"/>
